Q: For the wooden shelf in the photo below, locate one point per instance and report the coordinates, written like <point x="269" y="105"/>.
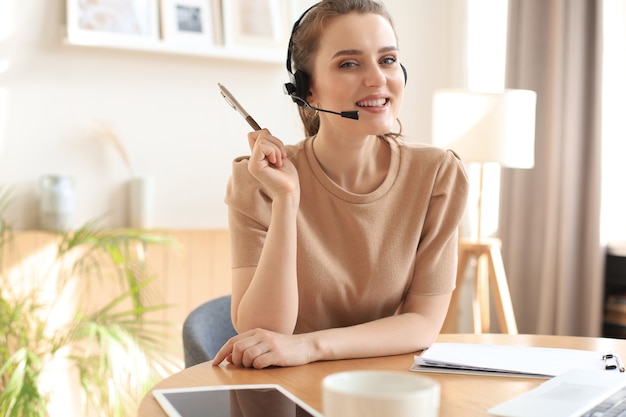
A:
<point x="246" y="54"/>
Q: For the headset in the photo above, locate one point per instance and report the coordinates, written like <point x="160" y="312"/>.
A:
<point x="298" y="86"/>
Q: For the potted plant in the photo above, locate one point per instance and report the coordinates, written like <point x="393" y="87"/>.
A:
<point x="53" y="317"/>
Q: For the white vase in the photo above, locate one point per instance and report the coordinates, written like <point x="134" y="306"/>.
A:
<point x="140" y="202"/>
<point x="57" y="202"/>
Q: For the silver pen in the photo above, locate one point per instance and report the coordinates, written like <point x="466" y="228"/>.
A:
<point x="232" y="101"/>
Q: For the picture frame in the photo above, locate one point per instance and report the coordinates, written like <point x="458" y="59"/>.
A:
<point x="132" y="22"/>
<point x="257" y="23"/>
<point x="189" y="22"/>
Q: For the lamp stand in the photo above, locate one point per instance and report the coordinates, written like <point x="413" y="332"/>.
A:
<point x="489" y="270"/>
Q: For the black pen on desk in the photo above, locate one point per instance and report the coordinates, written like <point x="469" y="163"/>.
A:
<point x="232" y="101"/>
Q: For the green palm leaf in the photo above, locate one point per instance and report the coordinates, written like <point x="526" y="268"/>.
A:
<point x="118" y="349"/>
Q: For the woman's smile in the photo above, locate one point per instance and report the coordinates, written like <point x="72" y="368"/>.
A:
<point x="373" y="104"/>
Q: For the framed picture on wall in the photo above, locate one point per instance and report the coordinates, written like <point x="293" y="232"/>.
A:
<point x="257" y="23"/>
<point x="128" y="21"/>
<point x="188" y="21"/>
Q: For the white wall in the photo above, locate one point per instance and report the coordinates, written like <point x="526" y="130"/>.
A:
<point x="168" y="112"/>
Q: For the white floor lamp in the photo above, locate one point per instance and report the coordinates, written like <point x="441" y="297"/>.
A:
<point x="485" y="128"/>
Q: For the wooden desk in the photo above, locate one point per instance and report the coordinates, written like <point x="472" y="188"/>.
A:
<point x="461" y="395"/>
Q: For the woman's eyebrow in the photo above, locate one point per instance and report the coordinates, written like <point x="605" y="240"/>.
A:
<point x="345" y="52"/>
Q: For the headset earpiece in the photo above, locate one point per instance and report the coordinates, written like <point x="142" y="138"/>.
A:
<point x="302" y="82"/>
<point x="404" y="72"/>
<point x="298" y="88"/>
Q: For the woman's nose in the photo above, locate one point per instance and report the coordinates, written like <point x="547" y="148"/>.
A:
<point x="374" y="76"/>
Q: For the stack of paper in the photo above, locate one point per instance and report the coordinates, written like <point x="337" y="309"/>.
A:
<point x="506" y="360"/>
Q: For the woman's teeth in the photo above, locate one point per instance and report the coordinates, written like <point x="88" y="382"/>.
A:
<point x="372" y="103"/>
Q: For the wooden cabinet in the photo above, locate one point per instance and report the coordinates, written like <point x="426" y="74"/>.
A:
<point x="614" y="324"/>
<point x="193" y="270"/>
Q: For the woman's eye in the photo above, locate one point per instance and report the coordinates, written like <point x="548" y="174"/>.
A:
<point x="347" y="64"/>
<point x="388" y="60"/>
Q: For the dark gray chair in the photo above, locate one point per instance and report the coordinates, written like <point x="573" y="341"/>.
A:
<point x="206" y="329"/>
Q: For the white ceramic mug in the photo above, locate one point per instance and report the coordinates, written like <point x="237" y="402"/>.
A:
<point x="379" y="394"/>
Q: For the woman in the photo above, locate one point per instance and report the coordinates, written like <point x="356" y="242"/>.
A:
<point x="343" y="245"/>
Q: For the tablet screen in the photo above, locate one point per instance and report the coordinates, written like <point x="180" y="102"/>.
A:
<point x="232" y="401"/>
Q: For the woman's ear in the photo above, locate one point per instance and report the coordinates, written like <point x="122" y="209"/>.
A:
<point x="311" y="97"/>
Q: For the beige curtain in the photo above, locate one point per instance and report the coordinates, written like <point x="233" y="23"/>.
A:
<point x="550" y="215"/>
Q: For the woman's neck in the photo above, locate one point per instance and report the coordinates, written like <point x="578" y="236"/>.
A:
<point x="357" y="165"/>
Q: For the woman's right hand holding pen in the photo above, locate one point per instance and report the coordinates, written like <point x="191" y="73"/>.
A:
<point x="269" y="164"/>
<point x="266" y="295"/>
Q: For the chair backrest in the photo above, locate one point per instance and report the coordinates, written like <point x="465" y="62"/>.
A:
<point x="206" y="329"/>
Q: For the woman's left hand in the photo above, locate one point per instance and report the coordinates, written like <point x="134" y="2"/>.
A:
<point x="259" y="348"/>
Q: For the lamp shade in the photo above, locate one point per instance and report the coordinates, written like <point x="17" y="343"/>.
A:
<point x="487" y="127"/>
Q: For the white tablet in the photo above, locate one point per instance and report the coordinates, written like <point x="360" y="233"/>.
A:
<point x="257" y="400"/>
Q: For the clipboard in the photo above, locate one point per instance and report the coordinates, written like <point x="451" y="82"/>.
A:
<point x="503" y="360"/>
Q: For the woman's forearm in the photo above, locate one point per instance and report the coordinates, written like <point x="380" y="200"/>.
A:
<point x="402" y="333"/>
<point x="271" y="298"/>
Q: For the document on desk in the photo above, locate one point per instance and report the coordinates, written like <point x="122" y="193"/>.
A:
<point x="502" y="360"/>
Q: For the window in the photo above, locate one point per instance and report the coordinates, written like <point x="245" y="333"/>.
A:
<point x="613" y="220"/>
